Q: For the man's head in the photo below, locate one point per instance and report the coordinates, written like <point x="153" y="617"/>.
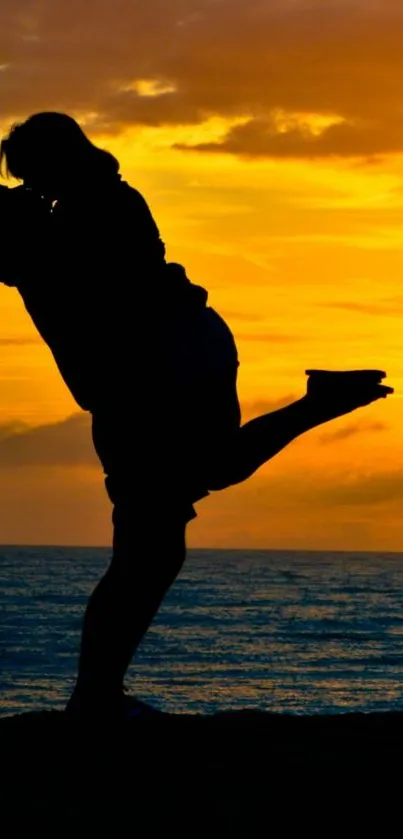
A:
<point x="50" y="153"/>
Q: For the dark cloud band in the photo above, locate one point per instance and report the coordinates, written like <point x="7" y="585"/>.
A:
<point x="201" y="58"/>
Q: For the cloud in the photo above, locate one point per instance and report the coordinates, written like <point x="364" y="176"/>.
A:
<point x="262" y="138"/>
<point x="351" y="431"/>
<point x="319" y="485"/>
<point x="248" y="317"/>
<point x="391" y="306"/>
<point x="255" y="408"/>
<point x="64" y="444"/>
<point x="308" y="79"/>
<point x="364" y="490"/>
<point x="19" y="342"/>
<point x="268" y="338"/>
<point x="363" y="308"/>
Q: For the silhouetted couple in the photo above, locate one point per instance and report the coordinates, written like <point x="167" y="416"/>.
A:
<point x="141" y="350"/>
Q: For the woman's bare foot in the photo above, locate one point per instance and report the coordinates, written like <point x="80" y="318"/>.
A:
<point x="335" y="393"/>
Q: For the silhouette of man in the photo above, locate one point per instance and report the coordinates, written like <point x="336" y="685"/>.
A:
<point x="140" y="349"/>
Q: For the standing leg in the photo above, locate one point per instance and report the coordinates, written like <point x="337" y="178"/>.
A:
<point x="147" y="557"/>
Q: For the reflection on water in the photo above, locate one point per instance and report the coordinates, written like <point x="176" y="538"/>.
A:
<point x="287" y="631"/>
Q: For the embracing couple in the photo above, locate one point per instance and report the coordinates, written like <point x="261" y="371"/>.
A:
<point x="156" y="367"/>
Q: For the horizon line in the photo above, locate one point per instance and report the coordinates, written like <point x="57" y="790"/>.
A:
<point x="47" y="546"/>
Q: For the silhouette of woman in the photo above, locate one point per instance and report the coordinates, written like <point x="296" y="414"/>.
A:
<point x="140" y="349"/>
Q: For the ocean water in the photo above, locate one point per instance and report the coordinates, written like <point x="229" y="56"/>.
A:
<point x="286" y="631"/>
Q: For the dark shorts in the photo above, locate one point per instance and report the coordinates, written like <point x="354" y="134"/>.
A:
<point x="144" y="501"/>
<point x="151" y="485"/>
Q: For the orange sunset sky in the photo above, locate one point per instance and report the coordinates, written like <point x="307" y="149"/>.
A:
<point x="267" y="137"/>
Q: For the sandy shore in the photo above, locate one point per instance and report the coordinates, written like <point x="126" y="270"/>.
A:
<point x="243" y="774"/>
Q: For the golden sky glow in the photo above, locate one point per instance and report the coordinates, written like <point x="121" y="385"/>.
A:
<point x="268" y="141"/>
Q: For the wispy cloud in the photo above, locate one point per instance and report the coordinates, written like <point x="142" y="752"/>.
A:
<point x="19" y="341"/>
<point x="352" y="430"/>
<point x="255" y="408"/>
<point x="64" y="444"/>
<point x="247" y="317"/>
<point x="268" y="338"/>
<point x="369" y="489"/>
<point x="380" y="307"/>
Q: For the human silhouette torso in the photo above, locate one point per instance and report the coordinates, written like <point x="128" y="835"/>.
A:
<point x="134" y="340"/>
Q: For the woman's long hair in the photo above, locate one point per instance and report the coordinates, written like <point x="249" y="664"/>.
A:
<point x="56" y="141"/>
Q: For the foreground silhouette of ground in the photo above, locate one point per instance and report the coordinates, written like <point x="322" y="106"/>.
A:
<point x="238" y="774"/>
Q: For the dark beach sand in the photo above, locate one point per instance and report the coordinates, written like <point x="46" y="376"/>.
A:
<point x="242" y="774"/>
